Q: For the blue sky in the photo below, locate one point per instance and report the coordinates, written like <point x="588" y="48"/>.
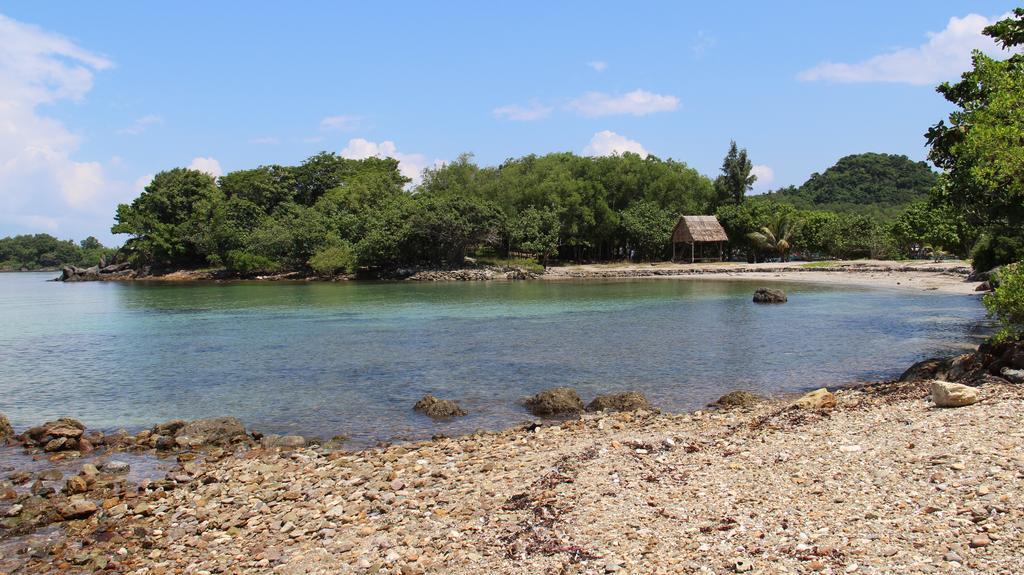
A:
<point x="97" y="97"/>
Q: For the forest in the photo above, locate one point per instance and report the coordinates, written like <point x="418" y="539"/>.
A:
<point x="43" y="251"/>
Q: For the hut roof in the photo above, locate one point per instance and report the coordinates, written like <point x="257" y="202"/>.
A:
<point x="699" y="229"/>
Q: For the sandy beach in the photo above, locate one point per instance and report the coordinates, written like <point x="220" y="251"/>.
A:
<point x="947" y="276"/>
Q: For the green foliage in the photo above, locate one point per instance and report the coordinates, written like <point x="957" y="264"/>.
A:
<point x="777" y="235"/>
<point x="878" y="185"/>
<point x="736" y="179"/>
<point x="929" y="224"/>
<point x="982" y="147"/>
<point x="1006" y="303"/>
<point x="534" y="231"/>
<point x="246" y="263"/>
<point x="334" y="259"/>
<point x="648" y="228"/>
<point x="43" y="251"/>
<point x="996" y="247"/>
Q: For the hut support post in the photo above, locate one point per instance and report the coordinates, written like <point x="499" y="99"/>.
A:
<point x="691" y="252"/>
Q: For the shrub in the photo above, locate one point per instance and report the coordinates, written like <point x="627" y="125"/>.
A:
<point x="246" y="263"/>
<point x="996" y="249"/>
<point x="1006" y="303"/>
<point x="331" y="260"/>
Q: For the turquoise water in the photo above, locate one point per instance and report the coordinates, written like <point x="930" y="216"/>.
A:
<point x="320" y="359"/>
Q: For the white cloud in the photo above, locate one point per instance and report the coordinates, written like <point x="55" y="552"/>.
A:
<point x="410" y="165"/>
<point x="765" y="176"/>
<point x="598" y="65"/>
<point x="264" y="141"/>
<point x="532" y="111"/>
<point x="340" y="123"/>
<point x="636" y="103"/>
<point x="42" y="184"/>
<point x="944" y="56"/>
<point x="608" y="143"/>
<point x="141" y="124"/>
<point x="207" y="165"/>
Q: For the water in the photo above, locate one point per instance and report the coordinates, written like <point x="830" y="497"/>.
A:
<point x="321" y="359"/>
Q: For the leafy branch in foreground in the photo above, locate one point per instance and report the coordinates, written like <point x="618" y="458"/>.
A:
<point x="1006" y="303"/>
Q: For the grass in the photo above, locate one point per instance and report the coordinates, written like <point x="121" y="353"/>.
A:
<point x="528" y="264"/>
<point x="822" y="264"/>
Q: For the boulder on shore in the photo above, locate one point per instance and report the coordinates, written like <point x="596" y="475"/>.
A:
<point x="738" y="398"/>
<point x="438" y="408"/>
<point x="926" y="369"/>
<point x="770" y="295"/>
<point x="6" y="431"/>
<point x="1013" y="375"/>
<point x="218" y="431"/>
<point x="60" y="435"/>
<point x="817" y="399"/>
<point x="949" y="394"/>
<point x="555" y="401"/>
<point x="624" y="401"/>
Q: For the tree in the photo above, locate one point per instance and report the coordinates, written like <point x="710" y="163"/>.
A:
<point x="534" y="231"/>
<point x="648" y="228"/>
<point x="1006" y="303"/>
<point x="736" y="178"/>
<point x="777" y="236"/>
<point x="930" y="224"/>
<point x="981" y="150"/>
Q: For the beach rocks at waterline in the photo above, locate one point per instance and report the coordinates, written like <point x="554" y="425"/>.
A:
<point x="439" y="408"/>
<point x="1012" y="375"/>
<point x="554" y="402"/>
<point x="6" y="431"/>
<point x="931" y="368"/>
<point x="738" y="399"/>
<point x="817" y="399"/>
<point x="949" y="394"/>
<point x="624" y="401"/>
<point x="95" y="273"/>
<point x="64" y="434"/>
<point x="770" y="295"/>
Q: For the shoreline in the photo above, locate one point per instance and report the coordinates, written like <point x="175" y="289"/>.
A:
<point x="945" y="277"/>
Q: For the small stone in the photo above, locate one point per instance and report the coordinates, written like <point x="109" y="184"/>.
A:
<point x="948" y="394"/>
<point x="742" y="565"/>
<point x="114" y="467"/>
<point x="980" y="541"/>
<point x="817" y="399"/>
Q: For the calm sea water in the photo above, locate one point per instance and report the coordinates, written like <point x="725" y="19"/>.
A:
<point x="321" y="359"/>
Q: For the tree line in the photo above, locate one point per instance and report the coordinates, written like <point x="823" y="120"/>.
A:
<point x="43" y="251"/>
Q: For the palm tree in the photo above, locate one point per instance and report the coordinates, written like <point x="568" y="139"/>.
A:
<point x="778" y="235"/>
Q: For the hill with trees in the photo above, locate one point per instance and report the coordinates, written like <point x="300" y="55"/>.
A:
<point x="43" y="251"/>
<point x="879" y="185"/>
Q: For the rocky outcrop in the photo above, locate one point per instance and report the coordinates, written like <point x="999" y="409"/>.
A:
<point x="770" y="295"/>
<point x="219" y="431"/>
<point x="738" y="399"/>
<point x="624" y="401"/>
<point x="927" y="369"/>
<point x="64" y="434"/>
<point x="817" y="399"/>
<point x="483" y="273"/>
<point x="96" y="273"/>
<point x="555" y="401"/>
<point x="949" y="394"/>
<point x="438" y="408"/>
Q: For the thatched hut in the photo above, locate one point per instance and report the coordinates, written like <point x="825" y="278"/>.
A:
<point x="705" y="236"/>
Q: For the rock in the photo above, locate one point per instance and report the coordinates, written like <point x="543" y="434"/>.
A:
<point x="76" y="485"/>
<point x="983" y="286"/>
<point x="1012" y="375"/>
<point x="948" y="394"/>
<point x="926" y="369"/>
<point x="164" y="442"/>
<point x="738" y="399"/>
<point x="51" y="433"/>
<point x="114" y="467"/>
<point x="434" y="407"/>
<point x="335" y="443"/>
<point x="40" y="489"/>
<point x="76" y="509"/>
<point x="555" y="401"/>
<point x="6" y="431"/>
<point x="220" y="431"/>
<point x="60" y="444"/>
<point x="624" y="401"/>
<point x="770" y="295"/>
<point x="980" y="541"/>
<point x="742" y="565"/>
<point x="817" y="399"/>
<point x="283" y="442"/>
<point x="962" y="366"/>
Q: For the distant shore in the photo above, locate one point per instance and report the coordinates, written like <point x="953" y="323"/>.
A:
<point x="946" y="277"/>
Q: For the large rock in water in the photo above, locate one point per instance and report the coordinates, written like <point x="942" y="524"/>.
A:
<point x="555" y="401"/>
<point x="770" y="295"/>
<point x="438" y="408"/>
<point x="60" y="435"/>
<point x="624" y="401"/>
<point x="213" y="431"/>
<point x="948" y="394"/>
<point x="6" y="431"/>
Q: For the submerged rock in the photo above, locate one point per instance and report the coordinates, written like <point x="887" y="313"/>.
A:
<point x="624" y="401"/>
<point x="949" y="394"/>
<point x="218" y="431"/>
<point x="817" y="399"/>
<point x="770" y="295"/>
<point x="114" y="467"/>
<point x="283" y="441"/>
<point x="738" y="399"/>
<point x="434" y="407"/>
<point x="555" y="401"/>
<point x="6" y="431"/>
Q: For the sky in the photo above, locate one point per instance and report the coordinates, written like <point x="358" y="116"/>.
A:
<point x="95" y="98"/>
